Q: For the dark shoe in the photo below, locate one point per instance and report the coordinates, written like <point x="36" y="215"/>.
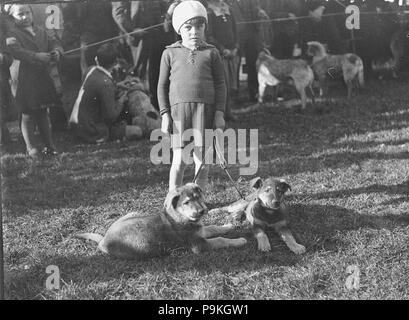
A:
<point x="49" y="151"/>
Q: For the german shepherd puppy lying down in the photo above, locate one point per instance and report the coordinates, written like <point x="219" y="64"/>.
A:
<point x="326" y="65"/>
<point x="271" y="71"/>
<point x="179" y="225"/>
<point x="265" y="209"/>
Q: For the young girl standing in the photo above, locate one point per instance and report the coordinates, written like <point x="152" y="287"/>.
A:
<point x="191" y="90"/>
<point x="35" y="90"/>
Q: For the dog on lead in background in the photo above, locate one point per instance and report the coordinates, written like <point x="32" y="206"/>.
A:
<point x="326" y="65"/>
<point x="264" y="209"/>
<point x="178" y="225"/>
<point x="272" y="71"/>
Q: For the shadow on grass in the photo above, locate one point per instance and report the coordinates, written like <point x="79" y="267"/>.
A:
<point x="300" y="164"/>
<point x="93" y="176"/>
<point x="399" y="189"/>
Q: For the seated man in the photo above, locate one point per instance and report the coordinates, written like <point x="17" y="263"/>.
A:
<point x="95" y="115"/>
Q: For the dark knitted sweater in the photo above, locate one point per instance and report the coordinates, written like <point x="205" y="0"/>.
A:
<point x="191" y="76"/>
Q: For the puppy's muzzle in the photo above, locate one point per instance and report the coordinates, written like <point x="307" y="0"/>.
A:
<point x="275" y="204"/>
<point x="199" y="213"/>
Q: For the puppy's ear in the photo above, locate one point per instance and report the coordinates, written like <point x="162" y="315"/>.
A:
<point x="196" y="188"/>
<point x="172" y="199"/>
<point x="256" y="183"/>
<point x="285" y="185"/>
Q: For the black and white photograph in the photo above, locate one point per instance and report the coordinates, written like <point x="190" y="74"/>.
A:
<point x="216" y="151"/>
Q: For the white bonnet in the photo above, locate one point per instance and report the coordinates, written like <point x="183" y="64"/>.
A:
<point x="185" y="11"/>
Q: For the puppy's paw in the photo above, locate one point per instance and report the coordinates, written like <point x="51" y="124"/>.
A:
<point x="298" y="249"/>
<point x="241" y="242"/>
<point x="228" y="227"/>
<point x="237" y="216"/>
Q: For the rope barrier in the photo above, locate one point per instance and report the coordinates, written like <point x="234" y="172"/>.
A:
<point x="241" y="22"/>
<point x="324" y="15"/>
<point x="293" y="19"/>
<point x="111" y="39"/>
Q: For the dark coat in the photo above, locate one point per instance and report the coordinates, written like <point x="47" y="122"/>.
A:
<point x="247" y="10"/>
<point x="5" y="25"/>
<point x="87" y="21"/>
<point x="4" y="64"/>
<point x="134" y="15"/>
<point x="325" y="31"/>
<point x="146" y="48"/>
<point x="35" y="87"/>
<point x="222" y="30"/>
<point x="98" y="109"/>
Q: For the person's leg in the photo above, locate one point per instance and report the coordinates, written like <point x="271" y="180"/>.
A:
<point x="228" y="116"/>
<point x="177" y="169"/>
<point x="154" y="69"/>
<point x="87" y="54"/>
<point x="43" y="122"/>
<point x="27" y="130"/>
<point x="4" y="131"/>
<point x="4" y="107"/>
<point x="203" y="119"/>
<point x="140" y="55"/>
<point x="250" y="52"/>
<point x="203" y="175"/>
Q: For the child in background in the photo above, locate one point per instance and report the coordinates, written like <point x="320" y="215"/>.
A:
<point x="191" y="90"/>
<point x="36" y="92"/>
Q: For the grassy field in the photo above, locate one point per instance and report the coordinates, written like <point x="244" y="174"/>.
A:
<point x="347" y="163"/>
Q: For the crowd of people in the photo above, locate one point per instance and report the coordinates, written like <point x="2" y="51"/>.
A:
<point x="49" y="79"/>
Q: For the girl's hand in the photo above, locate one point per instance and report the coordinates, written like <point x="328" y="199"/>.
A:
<point x="43" y="57"/>
<point x="219" y="122"/>
<point x="227" y="53"/>
<point x="11" y="41"/>
<point x="55" y="55"/>
<point x="263" y="15"/>
<point x="167" y="123"/>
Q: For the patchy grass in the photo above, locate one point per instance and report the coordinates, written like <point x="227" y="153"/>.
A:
<point x="346" y="161"/>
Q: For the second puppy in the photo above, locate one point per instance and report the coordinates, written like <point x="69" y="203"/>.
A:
<point x="265" y="209"/>
<point x="268" y="210"/>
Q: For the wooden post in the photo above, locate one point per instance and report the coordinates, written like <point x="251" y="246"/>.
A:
<point x="1" y="242"/>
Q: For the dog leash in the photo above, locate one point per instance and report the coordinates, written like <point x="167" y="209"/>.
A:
<point x="223" y="165"/>
<point x="201" y="165"/>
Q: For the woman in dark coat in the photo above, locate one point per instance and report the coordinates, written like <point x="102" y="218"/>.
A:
<point x="222" y="33"/>
<point x="5" y="93"/>
<point x="36" y="91"/>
